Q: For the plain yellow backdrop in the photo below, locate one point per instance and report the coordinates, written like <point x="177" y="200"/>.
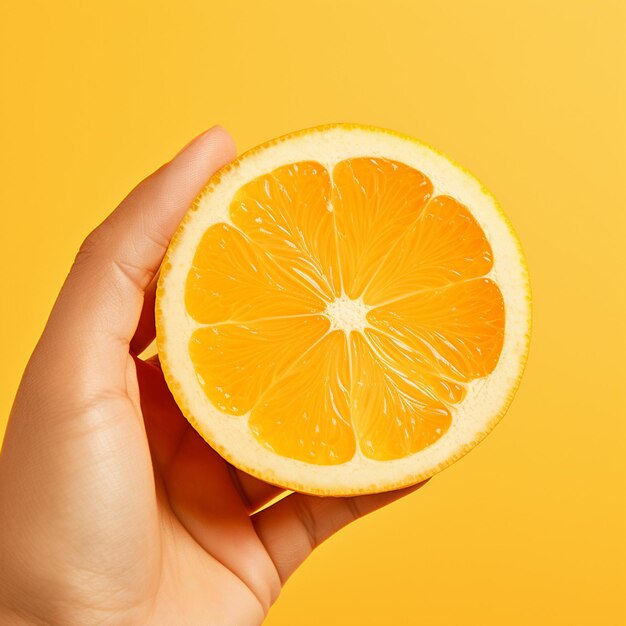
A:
<point x="529" y="96"/>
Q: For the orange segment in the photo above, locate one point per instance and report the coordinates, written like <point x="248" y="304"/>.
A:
<point x="414" y="365"/>
<point x="458" y="330"/>
<point x="286" y="212"/>
<point x="445" y="245"/>
<point x="233" y="280"/>
<point x="305" y="415"/>
<point x="393" y="417"/>
<point x="235" y="363"/>
<point x="374" y="201"/>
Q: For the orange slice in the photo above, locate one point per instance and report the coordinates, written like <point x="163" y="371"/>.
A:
<point x="343" y="310"/>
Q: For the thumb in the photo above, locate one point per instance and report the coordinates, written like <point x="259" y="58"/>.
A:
<point x="98" y="308"/>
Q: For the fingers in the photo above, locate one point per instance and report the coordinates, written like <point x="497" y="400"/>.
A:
<point x="99" y="307"/>
<point x="292" y="528"/>
<point x="201" y="494"/>
<point x="200" y="488"/>
<point x="255" y="492"/>
<point x="166" y="426"/>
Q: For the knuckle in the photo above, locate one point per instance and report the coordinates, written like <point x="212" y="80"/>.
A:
<point x="97" y="240"/>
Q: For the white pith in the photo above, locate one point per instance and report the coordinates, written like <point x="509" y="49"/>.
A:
<point x="486" y="398"/>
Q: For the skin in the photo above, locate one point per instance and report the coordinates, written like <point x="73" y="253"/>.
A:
<point x="112" y="509"/>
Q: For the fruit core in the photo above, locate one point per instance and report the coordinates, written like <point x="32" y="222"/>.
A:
<point x="347" y="314"/>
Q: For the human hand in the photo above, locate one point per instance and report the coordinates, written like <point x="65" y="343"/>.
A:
<point x="112" y="508"/>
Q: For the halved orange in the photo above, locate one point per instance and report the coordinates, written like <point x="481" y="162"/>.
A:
<point x="343" y="310"/>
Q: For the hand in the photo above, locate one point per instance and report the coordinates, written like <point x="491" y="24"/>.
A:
<point x="112" y="508"/>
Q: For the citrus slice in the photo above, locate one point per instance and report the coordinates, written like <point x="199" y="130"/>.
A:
<point x="343" y="310"/>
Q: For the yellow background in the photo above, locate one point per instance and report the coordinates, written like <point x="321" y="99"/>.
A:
<point x="529" y="96"/>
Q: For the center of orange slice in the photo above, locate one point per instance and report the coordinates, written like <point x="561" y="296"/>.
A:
<point x="347" y="314"/>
